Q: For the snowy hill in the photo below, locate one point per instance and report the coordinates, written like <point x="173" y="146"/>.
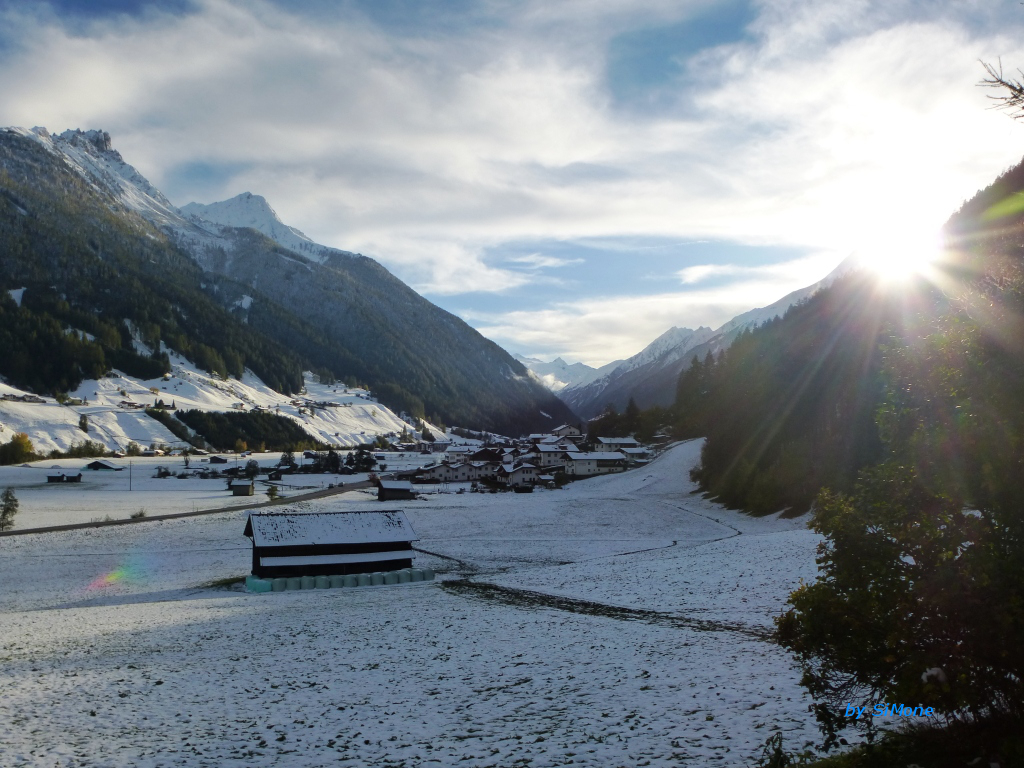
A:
<point x="331" y="414"/>
<point x="650" y="376"/>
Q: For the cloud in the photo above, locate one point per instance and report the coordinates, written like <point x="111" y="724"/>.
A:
<point x="598" y="330"/>
<point x="540" y="261"/>
<point x="820" y="125"/>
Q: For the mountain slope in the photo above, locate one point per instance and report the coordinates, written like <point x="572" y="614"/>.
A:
<point x="650" y="377"/>
<point x="333" y="312"/>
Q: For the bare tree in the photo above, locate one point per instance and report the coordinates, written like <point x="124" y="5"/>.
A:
<point x="1011" y="96"/>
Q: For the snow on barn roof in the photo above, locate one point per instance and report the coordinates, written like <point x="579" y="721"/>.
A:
<point x="617" y="441"/>
<point x="396" y="485"/>
<point x="594" y="455"/>
<point x="299" y="529"/>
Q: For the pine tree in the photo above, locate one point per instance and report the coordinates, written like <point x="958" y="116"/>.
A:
<point x="8" y="509"/>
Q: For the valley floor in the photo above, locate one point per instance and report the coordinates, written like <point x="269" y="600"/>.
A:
<point x="619" y="622"/>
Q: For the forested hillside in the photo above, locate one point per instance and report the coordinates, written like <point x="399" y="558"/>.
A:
<point x="88" y="267"/>
<point x="790" y="407"/>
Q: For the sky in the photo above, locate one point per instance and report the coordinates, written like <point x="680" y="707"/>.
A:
<point x="571" y="177"/>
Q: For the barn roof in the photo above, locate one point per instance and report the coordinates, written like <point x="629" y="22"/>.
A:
<point x="396" y="485"/>
<point x="298" y="529"/>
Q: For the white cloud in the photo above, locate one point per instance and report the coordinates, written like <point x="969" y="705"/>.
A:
<point x="540" y="261"/>
<point x="838" y="125"/>
<point x="597" y="331"/>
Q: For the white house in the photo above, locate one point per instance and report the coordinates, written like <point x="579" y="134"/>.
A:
<point x="567" y="430"/>
<point x="513" y="475"/>
<point x="549" y="455"/>
<point x="594" y="463"/>
<point x="615" y="443"/>
<point x="635" y="454"/>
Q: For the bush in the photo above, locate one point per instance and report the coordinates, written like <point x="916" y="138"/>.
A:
<point x="17" y="450"/>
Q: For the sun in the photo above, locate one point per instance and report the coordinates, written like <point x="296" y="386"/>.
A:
<point x="900" y="256"/>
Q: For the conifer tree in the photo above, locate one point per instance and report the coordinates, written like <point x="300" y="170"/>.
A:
<point x="8" y="509"/>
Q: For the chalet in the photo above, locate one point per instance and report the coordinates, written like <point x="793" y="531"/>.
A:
<point x="594" y="463"/>
<point x="549" y="455"/>
<point x="329" y="543"/>
<point x="513" y="475"/>
<point x="613" y="444"/>
<point x="486" y="454"/>
<point x="242" y="487"/>
<point x="483" y="470"/>
<point x="635" y="455"/>
<point x="558" y="442"/>
<point x="460" y="452"/>
<point x="567" y="430"/>
<point x="104" y="466"/>
<point x="395" y="490"/>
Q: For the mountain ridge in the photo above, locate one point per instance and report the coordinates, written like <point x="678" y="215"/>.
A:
<point x="650" y="376"/>
<point x="336" y="311"/>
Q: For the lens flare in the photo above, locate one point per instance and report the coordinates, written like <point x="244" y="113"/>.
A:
<point x="124" y="574"/>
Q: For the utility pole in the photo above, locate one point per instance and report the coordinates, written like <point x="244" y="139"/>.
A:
<point x="129" y="475"/>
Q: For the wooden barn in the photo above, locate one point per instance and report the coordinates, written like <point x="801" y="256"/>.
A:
<point x="395" y="490"/>
<point x="103" y="466"/>
<point x="329" y="543"/>
<point x="242" y="488"/>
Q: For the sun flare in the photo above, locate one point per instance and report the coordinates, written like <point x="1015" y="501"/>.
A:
<point x="900" y="257"/>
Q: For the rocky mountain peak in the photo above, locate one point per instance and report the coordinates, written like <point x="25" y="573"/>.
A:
<point x="96" y="139"/>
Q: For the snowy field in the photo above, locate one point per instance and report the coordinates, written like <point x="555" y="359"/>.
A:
<point x="619" y="622"/>
<point x="119" y="494"/>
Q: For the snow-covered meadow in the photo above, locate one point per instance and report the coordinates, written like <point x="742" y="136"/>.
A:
<point x="120" y="493"/>
<point x="619" y="622"/>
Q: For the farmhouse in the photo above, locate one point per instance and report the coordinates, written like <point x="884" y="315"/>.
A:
<point x="516" y="475"/>
<point x="549" y="455"/>
<point x="612" y="444"/>
<point x="594" y="463"/>
<point x="329" y="543"/>
<point x="567" y="430"/>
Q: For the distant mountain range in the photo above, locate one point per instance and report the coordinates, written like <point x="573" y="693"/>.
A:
<point x="94" y="243"/>
<point x="650" y="376"/>
<point x="558" y="374"/>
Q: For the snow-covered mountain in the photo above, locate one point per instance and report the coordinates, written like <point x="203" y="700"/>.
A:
<point x="331" y="309"/>
<point x="650" y="376"/>
<point x="558" y="374"/>
<point x="254" y="212"/>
